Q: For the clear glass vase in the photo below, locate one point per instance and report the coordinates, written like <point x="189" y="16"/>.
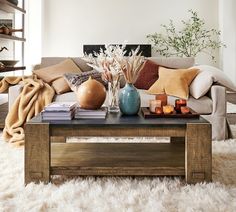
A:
<point x="113" y="96"/>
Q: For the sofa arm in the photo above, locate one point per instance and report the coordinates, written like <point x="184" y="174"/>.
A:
<point x="220" y="128"/>
<point x="218" y="96"/>
<point x="13" y="93"/>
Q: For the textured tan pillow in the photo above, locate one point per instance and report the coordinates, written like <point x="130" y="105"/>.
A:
<point x="59" y="86"/>
<point x="174" y="82"/>
<point x="54" y="74"/>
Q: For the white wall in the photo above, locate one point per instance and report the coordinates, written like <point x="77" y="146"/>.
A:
<point x="33" y="46"/>
<point x="9" y="44"/>
<point x="227" y="21"/>
<point x="7" y="55"/>
<point x="33" y="35"/>
<point x="69" y="24"/>
<point x="14" y="48"/>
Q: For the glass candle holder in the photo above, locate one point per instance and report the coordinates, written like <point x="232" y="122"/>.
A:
<point x="113" y="96"/>
<point x="158" y="110"/>
<point x="153" y="104"/>
<point x="185" y="110"/>
<point x="168" y="109"/>
<point x="180" y="103"/>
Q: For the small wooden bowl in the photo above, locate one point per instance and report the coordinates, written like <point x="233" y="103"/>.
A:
<point x="9" y="63"/>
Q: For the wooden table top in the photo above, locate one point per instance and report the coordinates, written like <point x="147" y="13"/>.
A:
<point x="118" y="120"/>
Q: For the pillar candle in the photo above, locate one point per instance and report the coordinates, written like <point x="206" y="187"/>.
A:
<point x="163" y="98"/>
<point x="168" y="109"/>
<point x="159" y="110"/>
<point x="180" y="103"/>
<point x="153" y="104"/>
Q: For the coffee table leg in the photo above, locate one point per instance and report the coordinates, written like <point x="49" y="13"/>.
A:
<point x="37" y="153"/>
<point x="198" y="153"/>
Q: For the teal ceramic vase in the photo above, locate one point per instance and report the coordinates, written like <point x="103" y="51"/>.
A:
<point x="129" y="100"/>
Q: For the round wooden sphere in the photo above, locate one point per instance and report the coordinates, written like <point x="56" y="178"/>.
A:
<point x="91" y="94"/>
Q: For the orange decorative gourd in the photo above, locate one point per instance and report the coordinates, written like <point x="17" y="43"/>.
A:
<point x="91" y="94"/>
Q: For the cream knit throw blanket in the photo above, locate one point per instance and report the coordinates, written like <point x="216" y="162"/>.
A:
<point x="34" y="96"/>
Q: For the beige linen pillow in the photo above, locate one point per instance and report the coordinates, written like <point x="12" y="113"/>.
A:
<point x="173" y="82"/>
<point x="209" y="75"/>
<point x="201" y="84"/>
<point x="54" y="74"/>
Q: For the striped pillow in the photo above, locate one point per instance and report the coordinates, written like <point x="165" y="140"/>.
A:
<point x="75" y="80"/>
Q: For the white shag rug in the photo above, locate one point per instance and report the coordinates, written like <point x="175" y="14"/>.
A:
<point x="119" y="194"/>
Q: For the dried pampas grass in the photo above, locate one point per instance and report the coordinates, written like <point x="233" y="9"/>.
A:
<point x="113" y="63"/>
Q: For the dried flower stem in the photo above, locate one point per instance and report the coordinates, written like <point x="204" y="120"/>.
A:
<point x="113" y="60"/>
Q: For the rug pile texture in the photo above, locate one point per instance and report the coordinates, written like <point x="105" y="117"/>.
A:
<point x="119" y="194"/>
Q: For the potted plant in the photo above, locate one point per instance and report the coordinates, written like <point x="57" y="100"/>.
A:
<point x="193" y="39"/>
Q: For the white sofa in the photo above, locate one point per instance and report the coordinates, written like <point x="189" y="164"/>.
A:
<point x="212" y="106"/>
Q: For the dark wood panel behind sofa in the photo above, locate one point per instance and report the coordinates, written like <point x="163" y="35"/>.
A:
<point x="145" y="49"/>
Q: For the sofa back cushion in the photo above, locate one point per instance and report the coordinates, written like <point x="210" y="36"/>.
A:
<point x="174" y="62"/>
<point x="50" y="61"/>
<point x="79" y="61"/>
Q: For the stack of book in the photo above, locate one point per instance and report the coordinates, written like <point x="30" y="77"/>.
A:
<point x="59" y="111"/>
<point x="91" y="114"/>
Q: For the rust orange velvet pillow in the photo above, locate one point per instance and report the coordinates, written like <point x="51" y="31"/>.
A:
<point x="174" y="82"/>
<point x="148" y="74"/>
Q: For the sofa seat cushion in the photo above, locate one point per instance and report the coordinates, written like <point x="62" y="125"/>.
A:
<point x="203" y="105"/>
<point x="65" y="97"/>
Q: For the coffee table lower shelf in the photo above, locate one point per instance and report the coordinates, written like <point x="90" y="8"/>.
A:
<point x="118" y="159"/>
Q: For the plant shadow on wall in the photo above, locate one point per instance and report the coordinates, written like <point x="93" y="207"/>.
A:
<point x="193" y="39"/>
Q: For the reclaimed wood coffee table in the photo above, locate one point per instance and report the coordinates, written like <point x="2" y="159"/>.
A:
<point x="188" y="154"/>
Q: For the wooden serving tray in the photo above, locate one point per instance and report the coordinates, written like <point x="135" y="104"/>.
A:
<point x="147" y="114"/>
